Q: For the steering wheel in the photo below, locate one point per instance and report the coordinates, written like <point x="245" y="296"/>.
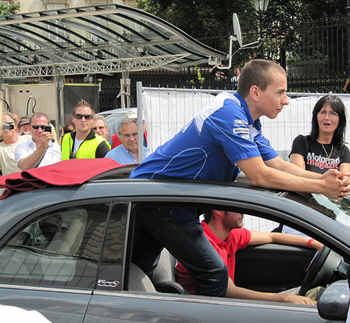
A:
<point x="313" y="269"/>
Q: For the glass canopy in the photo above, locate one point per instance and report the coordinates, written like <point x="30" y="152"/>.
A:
<point x="94" y="39"/>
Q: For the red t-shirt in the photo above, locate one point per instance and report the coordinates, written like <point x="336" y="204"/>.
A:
<point x="237" y="239"/>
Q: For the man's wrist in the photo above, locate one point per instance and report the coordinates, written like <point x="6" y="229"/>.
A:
<point x="309" y="242"/>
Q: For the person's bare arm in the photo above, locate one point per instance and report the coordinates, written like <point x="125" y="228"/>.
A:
<point x="234" y="291"/>
<point x="288" y="176"/>
<point x="346" y="84"/>
<point x="32" y="160"/>
<point x="297" y="160"/>
<point x="291" y="168"/>
<point x="344" y="168"/>
<point x="258" y="237"/>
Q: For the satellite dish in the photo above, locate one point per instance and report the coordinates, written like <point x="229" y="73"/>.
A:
<point x="237" y="29"/>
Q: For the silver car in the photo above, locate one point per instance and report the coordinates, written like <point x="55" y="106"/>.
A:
<point x="66" y="253"/>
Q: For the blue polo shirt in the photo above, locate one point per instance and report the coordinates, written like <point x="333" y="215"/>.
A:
<point x="210" y="145"/>
<point x="208" y="148"/>
<point x="123" y="156"/>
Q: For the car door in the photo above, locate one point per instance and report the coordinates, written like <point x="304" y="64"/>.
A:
<point x="50" y="262"/>
<point x="126" y="294"/>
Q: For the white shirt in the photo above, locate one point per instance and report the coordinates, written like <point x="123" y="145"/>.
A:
<point x="52" y="155"/>
<point x="7" y="155"/>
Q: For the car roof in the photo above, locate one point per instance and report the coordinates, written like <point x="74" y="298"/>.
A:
<point x="106" y="186"/>
<point x="187" y="192"/>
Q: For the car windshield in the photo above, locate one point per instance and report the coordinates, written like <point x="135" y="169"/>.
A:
<point x="338" y="211"/>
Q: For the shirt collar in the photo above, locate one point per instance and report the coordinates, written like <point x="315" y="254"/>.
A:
<point x="244" y="105"/>
<point x="211" y="235"/>
<point x="126" y="151"/>
<point x="90" y="136"/>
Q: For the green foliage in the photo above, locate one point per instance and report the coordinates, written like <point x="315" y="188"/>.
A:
<point x="200" y="78"/>
<point x="204" y="18"/>
<point x="9" y="9"/>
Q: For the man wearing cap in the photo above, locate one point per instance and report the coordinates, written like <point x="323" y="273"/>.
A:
<point x="42" y="150"/>
<point x="10" y="141"/>
<point x="127" y="152"/>
<point x="83" y="142"/>
<point x="23" y="126"/>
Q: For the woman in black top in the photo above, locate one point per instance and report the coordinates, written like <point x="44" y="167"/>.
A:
<point x="325" y="147"/>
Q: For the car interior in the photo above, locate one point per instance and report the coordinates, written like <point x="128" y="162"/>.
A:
<point x="56" y="248"/>
<point x="60" y="247"/>
<point x="266" y="268"/>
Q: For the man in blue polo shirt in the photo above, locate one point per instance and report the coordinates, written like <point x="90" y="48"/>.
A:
<point x="223" y="139"/>
<point x="127" y="152"/>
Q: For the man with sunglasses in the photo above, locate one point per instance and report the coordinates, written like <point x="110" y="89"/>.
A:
<point x="42" y="150"/>
<point x="99" y="125"/>
<point x="11" y="140"/>
<point x="83" y="142"/>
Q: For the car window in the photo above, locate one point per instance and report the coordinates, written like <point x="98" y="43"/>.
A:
<point x="59" y="248"/>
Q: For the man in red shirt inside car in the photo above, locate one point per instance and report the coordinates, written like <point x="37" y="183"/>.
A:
<point x="224" y="231"/>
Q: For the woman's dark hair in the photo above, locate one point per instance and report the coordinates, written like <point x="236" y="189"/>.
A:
<point x="337" y="106"/>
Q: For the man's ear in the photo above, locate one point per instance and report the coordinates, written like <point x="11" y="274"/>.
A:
<point x="217" y="213"/>
<point x="254" y="92"/>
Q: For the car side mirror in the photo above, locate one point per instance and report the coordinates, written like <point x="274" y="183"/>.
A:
<point x="334" y="301"/>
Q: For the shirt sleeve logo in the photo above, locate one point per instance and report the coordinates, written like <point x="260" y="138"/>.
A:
<point x="243" y="132"/>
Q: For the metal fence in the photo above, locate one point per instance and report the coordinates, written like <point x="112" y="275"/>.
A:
<point x="313" y="53"/>
<point x="167" y="110"/>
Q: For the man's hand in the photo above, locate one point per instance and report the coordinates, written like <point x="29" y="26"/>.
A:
<point x="337" y="184"/>
<point x="297" y="299"/>
<point x="46" y="137"/>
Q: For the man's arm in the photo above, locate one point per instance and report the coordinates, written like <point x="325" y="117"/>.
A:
<point x="292" y="168"/>
<point x="346" y="84"/>
<point x="234" y="291"/>
<point x="288" y="176"/>
<point x="258" y="237"/>
<point x="297" y="160"/>
<point x="102" y="150"/>
<point x="33" y="159"/>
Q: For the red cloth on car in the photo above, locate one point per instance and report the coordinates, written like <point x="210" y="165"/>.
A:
<point x="65" y="173"/>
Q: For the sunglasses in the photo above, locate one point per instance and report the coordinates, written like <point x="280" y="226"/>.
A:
<point x="37" y="127"/>
<point x="81" y="116"/>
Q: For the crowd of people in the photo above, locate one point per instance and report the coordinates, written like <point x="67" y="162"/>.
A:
<point x="31" y="142"/>
<point x="224" y="139"/>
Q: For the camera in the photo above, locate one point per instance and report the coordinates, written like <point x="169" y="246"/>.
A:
<point x="47" y="129"/>
<point x="8" y="126"/>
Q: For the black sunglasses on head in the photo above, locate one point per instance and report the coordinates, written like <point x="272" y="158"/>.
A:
<point x="81" y="116"/>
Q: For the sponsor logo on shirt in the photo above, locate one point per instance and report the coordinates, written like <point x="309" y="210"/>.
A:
<point x="243" y="132"/>
<point x="321" y="162"/>
<point x="240" y="122"/>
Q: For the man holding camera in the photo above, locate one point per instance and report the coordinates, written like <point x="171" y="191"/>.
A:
<point x="42" y="150"/>
<point x="10" y="141"/>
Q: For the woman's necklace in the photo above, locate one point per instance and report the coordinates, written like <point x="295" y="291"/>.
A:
<point x="330" y="154"/>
